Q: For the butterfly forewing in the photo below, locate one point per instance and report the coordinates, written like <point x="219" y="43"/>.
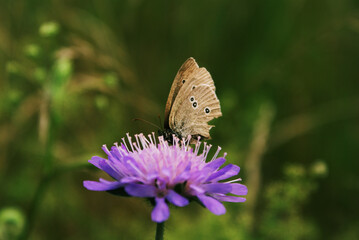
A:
<point x="202" y="76"/>
<point x="186" y="72"/>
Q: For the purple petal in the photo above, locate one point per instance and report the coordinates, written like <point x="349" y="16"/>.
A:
<point x="224" y="173"/>
<point x="132" y="166"/>
<point x="212" y="204"/>
<point x="196" y="189"/>
<point x="176" y="199"/>
<point x="140" y="190"/>
<point x="217" y="187"/>
<point x="130" y="180"/>
<point x="105" y="166"/>
<point x="124" y="147"/>
<point x="150" y="178"/>
<point x="161" y="212"/>
<point x="184" y="175"/>
<point x="239" y="189"/>
<point x="215" y="164"/>
<point x="101" y="186"/>
<point x="116" y="154"/>
<point x="112" y="170"/>
<point x="229" y="198"/>
<point x="95" y="160"/>
<point x="161" y="183"/>
<point x="105" y="181"/>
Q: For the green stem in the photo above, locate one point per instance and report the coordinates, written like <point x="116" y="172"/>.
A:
<point x="160" y="229"/>
<point x="46" y="130"/>
<point x="40" y="193"/>
<point x="35" y="204"/>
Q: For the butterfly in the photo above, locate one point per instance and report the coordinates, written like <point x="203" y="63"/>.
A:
<point x="191" y="104"/>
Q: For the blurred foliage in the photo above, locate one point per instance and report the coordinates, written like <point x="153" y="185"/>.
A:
<point x="11" y="223"/>
<point x="282" y="217"/>
<point x="73" y="75"/>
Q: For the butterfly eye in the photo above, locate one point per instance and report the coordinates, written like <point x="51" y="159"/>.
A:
<point x="195" y="105"/>
<point x="207" y="110"/>
<point x="191" y="99"/>
<point x="184" y="80"/>
<point x="193" y="87"/>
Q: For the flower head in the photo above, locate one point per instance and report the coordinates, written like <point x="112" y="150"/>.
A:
<point x="168" y="174"/>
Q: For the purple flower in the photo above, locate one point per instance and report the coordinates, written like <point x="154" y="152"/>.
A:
<point x="168" y="174"/>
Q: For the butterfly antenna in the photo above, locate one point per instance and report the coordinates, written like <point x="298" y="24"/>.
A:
<point x="159" y="118"/>
<point x="143" y="120"/>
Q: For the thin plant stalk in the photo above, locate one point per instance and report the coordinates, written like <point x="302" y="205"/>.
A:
<point x="257" y="149"/>
<point x="46" y="129"/>
<point x="160" y="229"/>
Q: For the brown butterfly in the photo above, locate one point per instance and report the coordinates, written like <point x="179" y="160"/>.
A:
<point x="191" y="104"/>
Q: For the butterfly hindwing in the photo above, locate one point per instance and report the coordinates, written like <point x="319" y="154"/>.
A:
<point x="194" y="108"/>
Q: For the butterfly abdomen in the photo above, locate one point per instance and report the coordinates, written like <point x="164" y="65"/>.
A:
<point x="168" y="134"/>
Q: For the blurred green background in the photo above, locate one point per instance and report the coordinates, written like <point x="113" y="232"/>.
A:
<point x="73" y="75"/>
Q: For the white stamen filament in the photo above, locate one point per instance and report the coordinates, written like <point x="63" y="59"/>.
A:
<point x="129" y="138"/>
<point x="105" y="149"/>
<point x="137" y="141"/>
<point x="235" y="180"/>
<point x="216" y="154"/>
<point x="154" y="138"/>
<point x="149" y="137"/>
<point x="124" y="143"/>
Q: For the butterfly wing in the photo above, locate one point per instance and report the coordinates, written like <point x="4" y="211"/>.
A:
<point x="194" y="108"/>
<point x="188" y="72"/>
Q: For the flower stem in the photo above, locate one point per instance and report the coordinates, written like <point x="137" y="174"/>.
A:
<point x="160" y="229"/>
<point x="258" y="148"/>
<point x="34" y="206"/>
<point x="47" y="127"/>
